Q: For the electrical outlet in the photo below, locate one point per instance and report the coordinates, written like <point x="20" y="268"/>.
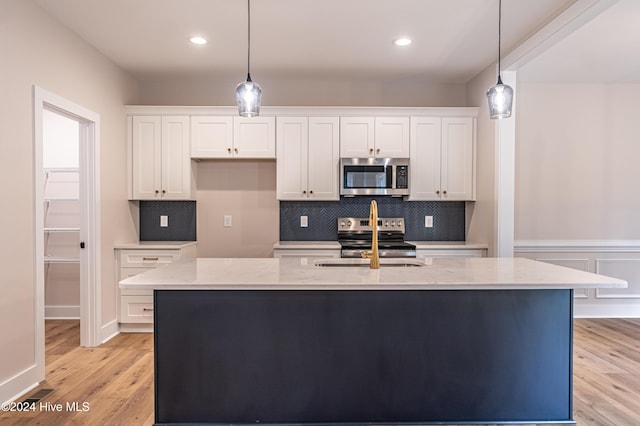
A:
<point x="227" y="221"/>
<point x="164" y="221"/>
<point x="304" y="221"/>
<point x="428" y="221"/>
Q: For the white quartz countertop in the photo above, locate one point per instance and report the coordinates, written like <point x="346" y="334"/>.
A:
<point x="160" y="245"/>
<point x="304" y="274"/>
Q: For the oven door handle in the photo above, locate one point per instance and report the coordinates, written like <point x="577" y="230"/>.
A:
<point x="383" y="253"/>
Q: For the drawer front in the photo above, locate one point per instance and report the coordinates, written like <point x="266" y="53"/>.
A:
<point x="147" y="258"/>
<point x="136" y="309"/>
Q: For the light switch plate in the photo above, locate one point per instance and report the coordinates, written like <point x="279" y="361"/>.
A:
<point x="164" y="221"/>
<point x="304" y="221"/>
<point x="227" y="221"/>
<point x="428" y="221"/>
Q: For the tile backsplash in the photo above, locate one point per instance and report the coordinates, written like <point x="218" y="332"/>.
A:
<point x="448" y="218"/>
<point x="181" y="220"/>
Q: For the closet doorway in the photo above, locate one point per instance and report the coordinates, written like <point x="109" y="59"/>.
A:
<point x="67" y="222"/>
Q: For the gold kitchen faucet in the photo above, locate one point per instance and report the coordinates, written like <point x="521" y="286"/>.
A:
<point x="373" y="254"/>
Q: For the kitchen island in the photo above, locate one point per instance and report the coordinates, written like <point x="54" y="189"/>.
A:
<point x="272" y="341"/>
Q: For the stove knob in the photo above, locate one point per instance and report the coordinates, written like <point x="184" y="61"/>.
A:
<point x="342" y="224"/>
<point x="393" y="223"/>
<point x="400" y="223"/>
<point x="348" y="223"/>
<point x="386" y="223"/>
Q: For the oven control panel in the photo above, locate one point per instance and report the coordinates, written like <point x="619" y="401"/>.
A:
<point x="355" y="224"/>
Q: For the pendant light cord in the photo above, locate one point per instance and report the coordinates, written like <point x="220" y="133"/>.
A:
<point x="499" y="36"/>
<point x="248" y="39"/>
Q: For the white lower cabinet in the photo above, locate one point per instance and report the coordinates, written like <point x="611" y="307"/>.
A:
<point x="451" y="252"/>
<point x="135" y="308"/>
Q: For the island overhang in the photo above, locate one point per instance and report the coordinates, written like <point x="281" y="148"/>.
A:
<point x="304" y="274"/>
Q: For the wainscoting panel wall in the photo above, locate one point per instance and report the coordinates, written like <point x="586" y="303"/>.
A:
<point x="618" y="259"/>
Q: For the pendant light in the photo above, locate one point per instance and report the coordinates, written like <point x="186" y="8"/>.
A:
<point x="500" y="96"/>
<point x="248" y="93"/>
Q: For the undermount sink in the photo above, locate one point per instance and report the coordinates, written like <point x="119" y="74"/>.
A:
<point x="384" y="263"/>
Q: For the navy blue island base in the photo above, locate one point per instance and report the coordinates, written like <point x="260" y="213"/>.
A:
<point x="363" y="356"/>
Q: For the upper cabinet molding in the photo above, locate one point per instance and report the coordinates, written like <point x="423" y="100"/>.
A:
<point x="297" y="111"/>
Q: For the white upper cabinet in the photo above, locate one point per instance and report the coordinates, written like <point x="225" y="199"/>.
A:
<point x="374" y="137"/>
<point x="392" y="137"/>
<point x="233" y="137"/>
<point x="160" y="161"/>
<point x="211" y="136"/>
<point x="307" y="158"/>
<point x="442" y="159"/>
<point x="254" y="137"/>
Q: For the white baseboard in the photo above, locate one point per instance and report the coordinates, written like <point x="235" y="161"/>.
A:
<point x="18" y="385"/>
<point x="109" y="331"/>
<point x="62" y="312"/>
<point x="136" y="328"/>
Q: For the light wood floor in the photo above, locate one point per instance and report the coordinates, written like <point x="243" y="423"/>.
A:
<point x="116" y="379"/>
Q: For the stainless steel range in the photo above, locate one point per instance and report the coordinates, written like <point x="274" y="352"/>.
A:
<point x="354" y="235"/>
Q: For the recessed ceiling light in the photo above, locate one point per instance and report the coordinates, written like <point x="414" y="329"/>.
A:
<point x="198" y="40"/>
<point x="403" y="41"/>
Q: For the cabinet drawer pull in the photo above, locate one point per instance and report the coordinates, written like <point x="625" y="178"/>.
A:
<point x="147" y="309"/>
<point x="150" y="258"/>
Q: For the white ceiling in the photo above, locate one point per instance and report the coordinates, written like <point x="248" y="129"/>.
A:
<point x="453" y="40"/>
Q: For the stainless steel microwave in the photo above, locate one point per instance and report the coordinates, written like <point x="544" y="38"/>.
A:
<point x="374" y="176"/>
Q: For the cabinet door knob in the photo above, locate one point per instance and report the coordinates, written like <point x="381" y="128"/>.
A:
<point x="157" y="192"/>
<point x="370" y="150"/>
<point x="235" y="149"/>
<point x="164" y="192"/>
<point x="228" y="149"/>
<point x="304" y="192"/>
<point x="437" y="192"/>
<point x="310" y="192"/>
<point x="378" y="151"/>
<point x="444" y="192"/>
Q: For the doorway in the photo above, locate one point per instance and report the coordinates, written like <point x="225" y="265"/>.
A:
<point x="76" y="230"/>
